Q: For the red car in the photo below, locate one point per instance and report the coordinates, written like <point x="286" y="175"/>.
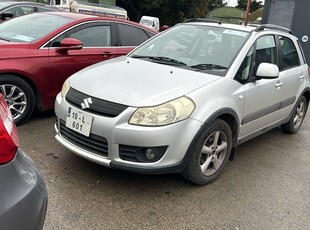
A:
<point x="39" y="51"/>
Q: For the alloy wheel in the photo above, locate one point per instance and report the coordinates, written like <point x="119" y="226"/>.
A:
<point x="15" y="98"/>
<point x="213" y="153"/>
<point x="300" y="112"/>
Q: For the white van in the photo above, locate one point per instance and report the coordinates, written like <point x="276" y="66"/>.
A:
<point x="151" y="22"/>
<point x="90" y="8"/>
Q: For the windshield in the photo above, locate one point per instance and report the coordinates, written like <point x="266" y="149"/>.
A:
<point x="146" y="22"/>
<point x="31" y="27"/>
<point x="197" y="47"/>
<point x="4" y="4"/>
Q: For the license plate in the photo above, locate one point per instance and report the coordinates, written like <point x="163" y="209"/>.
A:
<point x="79" y="121"/>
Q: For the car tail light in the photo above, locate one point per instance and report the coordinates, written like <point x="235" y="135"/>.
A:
<point x="309" y="71"/>
<point x="9" y="141"/>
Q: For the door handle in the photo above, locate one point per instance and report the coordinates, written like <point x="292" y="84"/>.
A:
<point x="301" y="77"/>
<point x="278" y="85"/>
<point x="106" y="54"/>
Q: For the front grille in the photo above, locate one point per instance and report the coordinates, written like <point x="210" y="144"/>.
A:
<point x="98" y="106"/>
<point x="94" y="143"/>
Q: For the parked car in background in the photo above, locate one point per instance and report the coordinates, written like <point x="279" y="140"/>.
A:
<point x="23" y="193"/>
<point x="10" y="9"/>
<point x="39" y="51"/>
<point x="149" y="21"/>
<point x="184" y="100"/>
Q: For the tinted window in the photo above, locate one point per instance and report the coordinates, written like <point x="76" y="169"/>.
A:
<point x="131" y="36"/>
<point x="289" y="53"/>
<point x="94" y="36"/>
<point x="90" y="36"/>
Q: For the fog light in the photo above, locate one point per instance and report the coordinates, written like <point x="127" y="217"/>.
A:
<point x="150" y="154"/>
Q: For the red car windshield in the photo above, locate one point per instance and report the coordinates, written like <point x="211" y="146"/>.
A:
<point x="31" y="27"/>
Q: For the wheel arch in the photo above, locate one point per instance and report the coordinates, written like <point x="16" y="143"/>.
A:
<point x="31" y="83"/>
<point x="306" y="94"/>
<point x="231" y="118"/>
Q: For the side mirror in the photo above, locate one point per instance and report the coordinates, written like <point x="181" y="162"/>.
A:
<point x="6" y="15"/>
<point x="69" y="44"/>
<point x="267" y="71"/>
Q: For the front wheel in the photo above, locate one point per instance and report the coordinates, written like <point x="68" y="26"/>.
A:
<point x="19" y="96"/>
<point x="298" y="115"/>
<point x="209" y="153"/>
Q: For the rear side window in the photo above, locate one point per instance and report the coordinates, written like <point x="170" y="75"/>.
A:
<point x="131" y="35"/>
<point x="289" y="53"/>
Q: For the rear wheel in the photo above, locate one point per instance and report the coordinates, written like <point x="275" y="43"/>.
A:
<point x="19" y="97"/>
<point x="209" y="153"/>
<point x="299" y="113"/>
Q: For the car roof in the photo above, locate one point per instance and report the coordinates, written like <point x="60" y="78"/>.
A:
<point x="85" y="17"/>
<point x="246" y="28"/>
<point x="225" y="25"/>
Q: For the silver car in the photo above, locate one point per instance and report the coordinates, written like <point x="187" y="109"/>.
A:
<point x="23" y="195"/>
<point x="184" y="100"/>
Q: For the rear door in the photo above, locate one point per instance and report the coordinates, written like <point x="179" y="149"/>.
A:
<point x="292" y="73"/>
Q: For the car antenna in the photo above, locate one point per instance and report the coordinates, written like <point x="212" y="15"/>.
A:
<point x="222" y="16"/>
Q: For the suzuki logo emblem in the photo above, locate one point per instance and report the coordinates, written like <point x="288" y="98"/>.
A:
<point x="86" y="102"/>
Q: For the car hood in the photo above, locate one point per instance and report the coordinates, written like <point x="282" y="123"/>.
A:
<point x="136" y="82"/>
<point x="12" y="49"/>
<point x="8" y="44"/>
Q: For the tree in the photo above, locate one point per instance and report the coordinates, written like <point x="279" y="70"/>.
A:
<point x="213" y="4"/>
<point x="169" y="12"/>
<point x="242" y="4"/>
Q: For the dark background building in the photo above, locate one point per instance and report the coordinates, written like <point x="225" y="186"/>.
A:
<point x="293" y="14"/>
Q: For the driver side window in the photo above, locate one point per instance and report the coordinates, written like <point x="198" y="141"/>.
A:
<point x="91" y="36"/>
<point x="265" y="52"/>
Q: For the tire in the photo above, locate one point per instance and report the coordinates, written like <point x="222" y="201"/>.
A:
<point x="19" y="96"/>
<point x="209" y="153"/>
<point x="297" y="117"/>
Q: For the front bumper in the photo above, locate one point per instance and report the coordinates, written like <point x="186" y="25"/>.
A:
<point x="23" y="194"/>
<point x="175" y="139"/>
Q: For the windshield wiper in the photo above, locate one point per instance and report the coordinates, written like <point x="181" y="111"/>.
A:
<point x="5" y="39"/>
<point x="163" y="60"/>
<point x="167" y="60"/>
<point x="208" y="66"/>
<point x="140" y="56"/>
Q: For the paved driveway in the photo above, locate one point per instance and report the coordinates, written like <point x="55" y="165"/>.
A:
<point x="265" y="187"/>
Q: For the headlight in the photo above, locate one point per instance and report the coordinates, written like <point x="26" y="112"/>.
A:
<point x="168" y="113"/>
<point x="65" y="87"/>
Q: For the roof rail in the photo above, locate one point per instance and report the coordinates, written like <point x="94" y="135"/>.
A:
<point x="200" y="20"/>
<point x="274" y="27"/>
